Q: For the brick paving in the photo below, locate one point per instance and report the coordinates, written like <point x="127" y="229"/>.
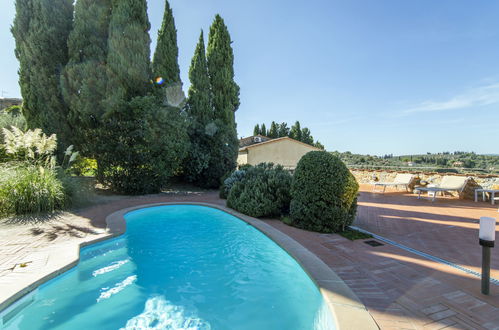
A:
<point x="401" y="290"/>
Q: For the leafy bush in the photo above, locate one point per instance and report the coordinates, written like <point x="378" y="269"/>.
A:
<point x="14" y="110"/>
<point x="263" y="191"/>
<point x="324" y="193"/>
<point x="231" y="180"/>
<point x="142" y="147"/>
<point x="84" y="166"/>
<point x="25" y="189"/>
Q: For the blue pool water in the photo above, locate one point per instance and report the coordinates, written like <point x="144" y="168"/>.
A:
<point x="180" y="267"/>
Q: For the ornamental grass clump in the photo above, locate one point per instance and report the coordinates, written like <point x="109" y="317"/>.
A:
<point x="30" y="189"/>
<point x="30" y="179"/>
<point x="264" y="191"/>
<point x="323" y="193"/>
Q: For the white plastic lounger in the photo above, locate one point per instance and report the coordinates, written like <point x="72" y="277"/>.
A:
<point x="400" y="180"/>
<point x="448" y="183"/>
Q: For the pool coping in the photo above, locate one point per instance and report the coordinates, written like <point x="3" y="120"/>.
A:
<point x="346" y="308"/>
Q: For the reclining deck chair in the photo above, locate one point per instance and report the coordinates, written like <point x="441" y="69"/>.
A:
<point x="448" y="183"/>
<point x="402" y="179"/>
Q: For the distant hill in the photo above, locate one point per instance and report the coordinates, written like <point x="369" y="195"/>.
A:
<point x="458" y="161"/>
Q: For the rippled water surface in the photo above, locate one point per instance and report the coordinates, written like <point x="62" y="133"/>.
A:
<point x="180" y="267"/>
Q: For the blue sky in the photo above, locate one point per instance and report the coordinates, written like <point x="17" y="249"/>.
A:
<point x="374" y="77"/>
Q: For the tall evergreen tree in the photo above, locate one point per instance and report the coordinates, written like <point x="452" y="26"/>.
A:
<point x="274" y="130"/>
<point x="263" y="130"/>
<point x="165" y="61"/>
<point x="220" y="59"/>
<point x="20" y="30"/>
<point x="256" y="130"/>
<point x="41" y="29"/>
<point x="128" y="58"/>
<point x="306" y="136"/>
<point x="295" y="132"/>
<point x="84" y="80"/>
<point x="200" y="110"/>
<point x="283" y="130"/>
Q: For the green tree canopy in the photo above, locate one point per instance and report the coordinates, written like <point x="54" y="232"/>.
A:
<point x="165" y="61"/>
<point x="225" y="91"/>
<point x="256" y="130"/>
<point x="295" y="132"/>
<point x="263" y="130"/>
<point x="41" y="29"/>
<point x="128" y="58"/>
<point x="84" y="79"/>
<point x="274" y="130"/>
<point x="200" y="110"/>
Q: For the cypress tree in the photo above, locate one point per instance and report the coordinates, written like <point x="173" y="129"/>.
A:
<point x="274" y="130"/>
<point x="220" y="60"/>
<point x="263" y="130"/>
<point x="20" y="31"/>
<point x="165" y="61"/>
<point x="295" y="132"/>
<point x="84" y="81"/>
<point x="200" y="110"/>
<point x="256" y="130"/>
<point x="128" y="58"/>
<point x="41" y="29"/>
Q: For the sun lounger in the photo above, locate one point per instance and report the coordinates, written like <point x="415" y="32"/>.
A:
<point x="402" y="179"/>
<point x="449" y="183"/>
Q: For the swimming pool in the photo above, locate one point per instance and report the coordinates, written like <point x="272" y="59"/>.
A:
<point x="180" y="267"/>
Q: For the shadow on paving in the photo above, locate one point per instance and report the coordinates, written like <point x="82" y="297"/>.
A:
<point x="451" y="234"/>
<point x="401" y="289"/>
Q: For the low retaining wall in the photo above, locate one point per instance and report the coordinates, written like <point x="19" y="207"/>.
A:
<point x="484" y="181"/>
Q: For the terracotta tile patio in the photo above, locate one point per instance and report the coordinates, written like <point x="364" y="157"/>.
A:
<point x="401" y="290"/>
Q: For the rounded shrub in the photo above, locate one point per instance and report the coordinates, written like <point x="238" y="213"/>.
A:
<point x="263" y="191"/>
<point x="231" y="180"/>
<point x="323" y="193"/>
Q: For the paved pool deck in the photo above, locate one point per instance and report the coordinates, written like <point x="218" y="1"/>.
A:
<point x="401" y="290"/>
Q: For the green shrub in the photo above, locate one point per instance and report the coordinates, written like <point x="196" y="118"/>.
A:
<point x="263" y="191"/>
<point x="142" y="146"/>
<point x="231" y="180"/>
<point x="26" y="189"/>
<point x="14" y="110"/>
<point x="324" y="193"/>
<point x="84" y="166"/>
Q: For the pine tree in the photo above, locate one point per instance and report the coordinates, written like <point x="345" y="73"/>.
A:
<point x="319" y="145"/>
<point x="274" y="130"/>
<point x="41" y="29"/>
<point x="263" y="130"/>
<point x="256" y="130"/>
<point x="165" y="61"/>
<point x="295" y="132"/>
<point x="128" y="58"/>
<point x="199" y="107"/>
<point x="220" y="59"/>
<point x="84" y="80"/>
<point x="306" y="136"/>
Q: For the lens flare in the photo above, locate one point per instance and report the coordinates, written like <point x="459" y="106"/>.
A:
<point x="159" y="81"/>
